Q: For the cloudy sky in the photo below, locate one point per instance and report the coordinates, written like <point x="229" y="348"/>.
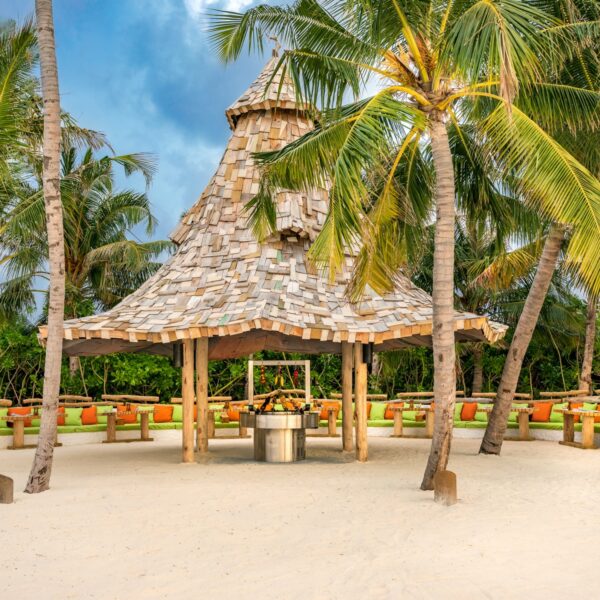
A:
<point x="143" y="72"/>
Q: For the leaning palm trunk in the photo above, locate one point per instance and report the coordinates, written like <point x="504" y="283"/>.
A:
<point x="444" y="378"/>
<point x="39" y="477"/>
<point x="585" y="378"/>
<point x="494" y="433"/>
<point x="477" y="385"/>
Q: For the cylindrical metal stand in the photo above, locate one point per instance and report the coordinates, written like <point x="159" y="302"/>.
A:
<point x="279" y="437"/>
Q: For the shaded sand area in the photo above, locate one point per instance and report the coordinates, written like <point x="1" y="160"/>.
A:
<point x="130" y="521"/>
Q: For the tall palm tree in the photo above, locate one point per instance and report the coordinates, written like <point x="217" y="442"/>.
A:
<point x="39" y="477"/>
<point x="579" y="70"/>
<point x="481" y="64"/>
<point x="18" y="54"/>
<point x="103" y="262"/>
<point x="585" y="377"/>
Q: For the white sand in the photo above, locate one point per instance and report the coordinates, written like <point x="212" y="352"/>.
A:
<point x="130" y="521"/>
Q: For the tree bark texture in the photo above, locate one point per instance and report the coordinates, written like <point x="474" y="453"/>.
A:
<point x="444" y="357"/>
<point x="585" y="377"/>
<point x="39" y="477"/>
<point x="496" y="428"/>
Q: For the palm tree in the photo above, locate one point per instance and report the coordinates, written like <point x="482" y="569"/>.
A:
<point x="17" y="59"/>
<point x="103" y="263"/>
<point x="39" y="477"/>
<point x="579" y="69"/>
<point x="438" y="64"/>
<point x="585" y="377"/>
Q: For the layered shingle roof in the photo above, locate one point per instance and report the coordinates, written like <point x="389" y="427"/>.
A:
<point x="246" y="296"/>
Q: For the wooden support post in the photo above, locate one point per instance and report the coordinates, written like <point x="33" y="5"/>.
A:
<point x="187" y="401"/>
<point x="111" y="427"/>
<point x="360" y="396"/>
<point x="398" y="425"/>
<point x="347" y="416"/>
<point x="429" y="422"/>
<point x="202" y="393"/>
<point x="523" y="418"/>
<point x="18" y="434"/>
<point x="331" y="423"/>
<point x="587" y="432"/>
<point x="444" y="487"/>
<point x="568" y="429"/>
<point x="211" y="424"/>
<point x="145" y="426"/>
<point x="7" y="487"/>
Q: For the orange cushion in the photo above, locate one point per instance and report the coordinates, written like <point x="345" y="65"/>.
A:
<point x="89" y="416"/>
<point x="389" y="413"/>
<point x="326" y="405"/>
<point x="541" y="412"/>
<point x="18" y="410"/>
<point x="233" y="412"/>
<point x="60" y="420"/>
<point x="468" y="412"/>
<point x="572" y="405"/>
<point x="163" y="413"/>
<point x="122" y="408"/>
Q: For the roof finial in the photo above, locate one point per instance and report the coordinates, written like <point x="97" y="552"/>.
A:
<point x="275" y="39"/>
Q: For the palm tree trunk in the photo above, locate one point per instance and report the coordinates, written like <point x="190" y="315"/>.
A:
<point x="73" y="365"/>
<point x="39" y="477"/>
<point x="494" y="433"/>
<point x="444" y="358"/>
<point x="585" y="378"/>
<point x="477" y="385"/>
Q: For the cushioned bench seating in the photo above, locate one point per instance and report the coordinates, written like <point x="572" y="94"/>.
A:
<point x="376" y="418"/>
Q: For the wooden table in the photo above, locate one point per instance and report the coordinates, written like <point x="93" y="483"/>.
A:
<point x="587" y="428"/>
<point x="111" y="426"/>
<point x="421" y="408"/>
<point x="523" y="413"/>
<point x="18" y="422"/>
<point x="243" y="431"/>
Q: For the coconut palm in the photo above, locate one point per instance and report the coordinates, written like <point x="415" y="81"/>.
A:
<point x="580" y="69"/>
<point x="39" y="477"/>
<point x="104" y="262"/>
<point x="585" y="377"/>
<point x="482" y="64"/>
<point x="17" y="60"/>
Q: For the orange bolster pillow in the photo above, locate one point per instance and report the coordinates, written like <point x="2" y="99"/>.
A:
<point x="18" y="410"/>
<point x="233" y="412"/>
<point x="572" y="405"/>
<point x="60" y="420"/>
<point x="122" y="408"/>
<point x="468" y="412"/>
<point x="541" y="412"/>
<point x="163" y="413"/>
<point x="89" y="416"/>
<point x="325" y="406"/>
<point x="389" y="413"/>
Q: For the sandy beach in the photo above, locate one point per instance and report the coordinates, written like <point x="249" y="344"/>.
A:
<point x="130" y="521"/>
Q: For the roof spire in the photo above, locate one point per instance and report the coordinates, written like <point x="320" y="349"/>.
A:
<point x="270" y="90"/>
<point x="277" y="47"/>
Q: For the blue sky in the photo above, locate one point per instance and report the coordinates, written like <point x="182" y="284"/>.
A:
<point x="143" y="72"/>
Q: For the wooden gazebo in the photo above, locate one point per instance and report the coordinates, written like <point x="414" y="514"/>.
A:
<point x="223" y="294"/>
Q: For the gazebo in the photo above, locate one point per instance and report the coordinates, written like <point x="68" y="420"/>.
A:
<point x="222" y="294"/>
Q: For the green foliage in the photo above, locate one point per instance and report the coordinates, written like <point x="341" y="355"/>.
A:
<point x="546" y="367"/>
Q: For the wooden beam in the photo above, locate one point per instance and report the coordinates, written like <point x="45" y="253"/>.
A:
<point x="360" y="394"/>
<point x="347" y="416"/>
<point x="187" y="395"/>
<point x="202" y="394"/>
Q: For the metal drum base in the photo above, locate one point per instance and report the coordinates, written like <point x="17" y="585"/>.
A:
<point x="279" y="445"/>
